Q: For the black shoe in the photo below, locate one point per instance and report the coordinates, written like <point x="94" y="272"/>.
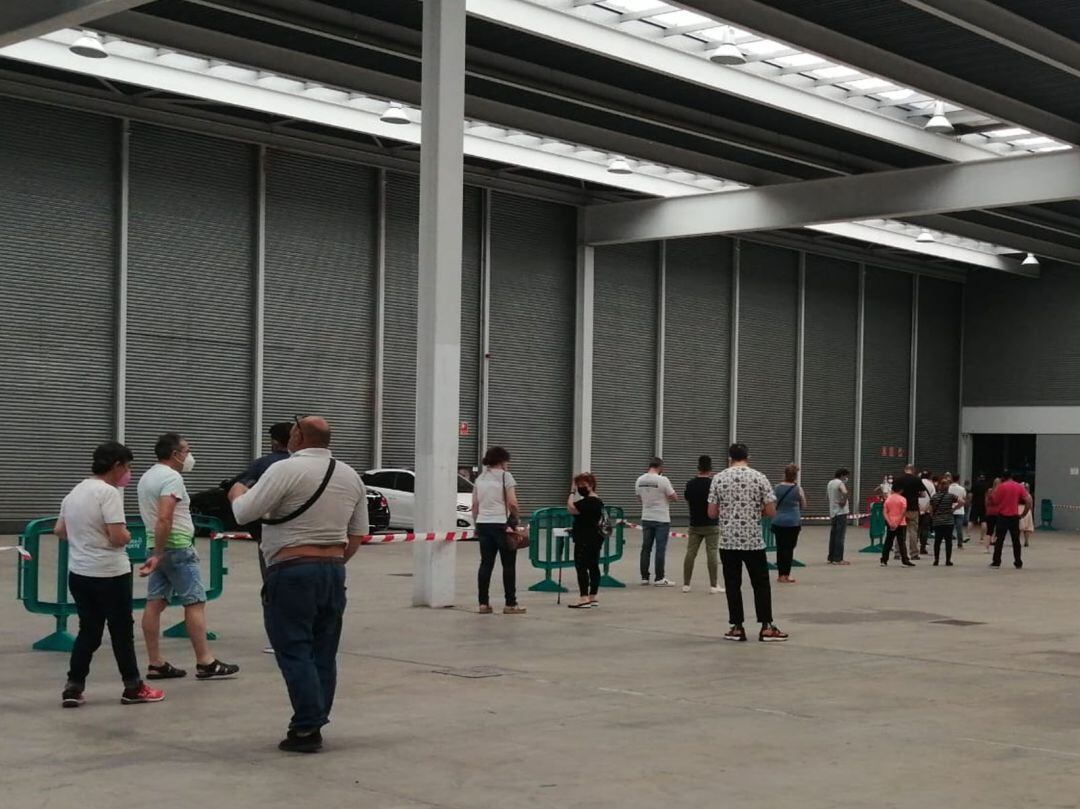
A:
<point x="910" y="564"/>
<point x="995" y="564"/>
<point x="72" y="698"/>
<point x="884" y="563"/>
<point x="294" y="742"/>
<point x="935" y="563"/>
<point x="215" y="669"/>
<point x="1018" y="565"/>
<point x="948" y="564"/>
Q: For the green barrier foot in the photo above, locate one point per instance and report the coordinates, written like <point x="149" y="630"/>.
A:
<point x="797" y="563"/>
<point x="608" y="580"/>
<point x="180" y="631"/>
<point x="56" y="642"/>
<point x="548" y="586"/>
<point x="1046" y="528"/>
<point x="873" y="549"/>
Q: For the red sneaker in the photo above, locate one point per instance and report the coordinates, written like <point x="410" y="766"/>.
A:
<point x="144" y="693"/>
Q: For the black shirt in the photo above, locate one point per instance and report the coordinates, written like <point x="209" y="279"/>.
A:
<point x="978" y="496"/>
<point x="697" y="497"/>
<point x="587" y="520"/>
<point x="912" y="488"/>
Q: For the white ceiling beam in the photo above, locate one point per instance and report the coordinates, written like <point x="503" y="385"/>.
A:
<point x="886" y="195"/>
<point x="609" y="42"/>
<point x="26" y="19"/>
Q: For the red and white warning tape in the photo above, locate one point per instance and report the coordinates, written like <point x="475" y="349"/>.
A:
<point x="1067" y="507"/>
<point x="23" y="552"/>
<point x="373" y="539"/>
<point x="676" y="535"/>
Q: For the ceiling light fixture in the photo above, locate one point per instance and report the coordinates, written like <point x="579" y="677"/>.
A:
<point x="395" y="114"/>
<point x="925" y="236"/>
<point x="1030" y="261"/>
<point x="89" y="46"/>
<point x="938" y="123"/>
<point x="727" y="52"/>
<point x="619" y="165"/>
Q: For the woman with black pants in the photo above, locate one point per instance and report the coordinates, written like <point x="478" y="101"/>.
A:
<point x="786" y="525"/>
<point x="588" y="510"/>
<point x="494" y="507"/>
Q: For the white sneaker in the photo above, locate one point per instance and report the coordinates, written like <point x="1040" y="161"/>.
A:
<point x="645" y="582"/>
<point x="686" y="588"/>
<point x="268" y="650"/>
<point x="715" y="590"/>
<point x="664" y="583"/>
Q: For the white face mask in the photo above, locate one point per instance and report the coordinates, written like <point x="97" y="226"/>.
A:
<point x="189" y="462"/>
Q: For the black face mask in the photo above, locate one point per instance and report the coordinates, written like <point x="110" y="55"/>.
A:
<point x="583" y="491"/>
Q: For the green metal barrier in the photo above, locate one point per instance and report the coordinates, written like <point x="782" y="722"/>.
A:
<point x="63" y="608"/>
<point x="1046" y="514"/>
<point x="878" y="529"/>
<point x="550" y="546"/>
<point x="770" y="542"/>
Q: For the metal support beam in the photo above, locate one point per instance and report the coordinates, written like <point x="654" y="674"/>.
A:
<point x="25" y="19"/>
<point x="485" y="327"/>
<point x="913" y="387"/>
<point x="661" y="343"/>
<point x="787" y="27"/>
<point x="438" y="339"/>
<point x="583" y="353"/>
<point x="1005" y="28"/>
<point x="885" y="195"/>
<point x="736" y="271"/>
<point x="860" y="358"/>
<point x="123" y="215"/>
<point x="800" y="359"/>
<point x="258" y="309"/>
<point x="379" y="392"/>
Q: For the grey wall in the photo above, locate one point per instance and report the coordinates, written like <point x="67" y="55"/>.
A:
<point x="1055" y="457"/>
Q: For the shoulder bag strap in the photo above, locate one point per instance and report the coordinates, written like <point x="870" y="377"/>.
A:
<point x="310" y="501"/>
<point x="785" y="494"/>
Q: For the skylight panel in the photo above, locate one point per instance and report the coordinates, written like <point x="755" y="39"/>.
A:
<point x="835" y="72"/>
<point x="797" y="60"/>
<point x="635" y="5"/>
<point x="871" y="83"/>
<point x="761" y="47"/>
<point x="674" y="19"/>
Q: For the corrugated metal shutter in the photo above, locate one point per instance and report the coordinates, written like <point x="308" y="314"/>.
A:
<point x="399" y="369"/>
<point x="697" y="358"/>
<point x="830" y="366"/>
<point x="399" y="366"/>
<point x="886" y="375"/>
<point x="320" y="298"/>
<point x="937" y="394"/>
<point x="190" y="290"/>
<point x="59" y="177"/>
<point x="625" y="340"/>
<point x="768" y="333"/>
<point x="531" y="388"/>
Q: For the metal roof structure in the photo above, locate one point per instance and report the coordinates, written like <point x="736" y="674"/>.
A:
<point x="556" y="89"/>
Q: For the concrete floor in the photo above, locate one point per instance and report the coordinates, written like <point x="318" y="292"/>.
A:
<point x="637" y="704"/>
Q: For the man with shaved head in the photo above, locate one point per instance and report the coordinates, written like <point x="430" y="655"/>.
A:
<point x="314" y="514"/>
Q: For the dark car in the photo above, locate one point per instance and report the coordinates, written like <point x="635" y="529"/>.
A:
<point x="215" y="503"/>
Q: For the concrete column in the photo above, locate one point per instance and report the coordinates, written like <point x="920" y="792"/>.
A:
<point x="120" y="414"/>
<point x="800" y="359"/>
<point x="583" y="353"/>
<point x="661" y="343"/>
<point x="734" y="403"/>
<point x="438" y="343"/>
<point x="258" y="309"/>
<point x="913" y="404"/>
<point x="379" y="387"/>
<point x="860" y="345"/>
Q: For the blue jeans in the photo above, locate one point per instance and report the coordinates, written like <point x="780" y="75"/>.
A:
<point x="177" y="575"/>
<point x="303" y="606"/>
<point x="958" y="529"/>
<point x="837" y="533"/>
<point x="653" y="532"/>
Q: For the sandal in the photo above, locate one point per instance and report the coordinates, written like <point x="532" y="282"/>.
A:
<point x="166" y="671"/>
<point x="215" y="669"/>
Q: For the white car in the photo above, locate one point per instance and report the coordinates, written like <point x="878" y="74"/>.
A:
<point x="399" y="487"/>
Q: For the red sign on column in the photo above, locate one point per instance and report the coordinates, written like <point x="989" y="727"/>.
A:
<point x="463" y="429"/>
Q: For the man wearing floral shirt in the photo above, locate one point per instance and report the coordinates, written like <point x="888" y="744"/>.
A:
<point x="740" y="497"/>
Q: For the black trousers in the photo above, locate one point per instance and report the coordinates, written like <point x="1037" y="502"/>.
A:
<point x="1008" y="525"/>
<point x="899" y="534"/>
<point x="926" y="524"/>
<point x="587" y="563"/>
<point x="787" y="537"/>
<point x="101" y="602"/>
<point x="757" y="568"/>
<point x="943" y="533"/>
<point x="493" y="544"/>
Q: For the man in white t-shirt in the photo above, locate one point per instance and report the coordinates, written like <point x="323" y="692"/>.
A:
<point x="173" y="567"/>
<point x="960" y="493"/>
<point x="99" y="574"/>
<point x="655" y="493"/>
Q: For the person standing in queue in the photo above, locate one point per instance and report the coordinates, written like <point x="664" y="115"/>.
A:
<point x="92" y="523"/>
<point x="656" y="493"/>
<point x="942" y="505"/>
<point x="912" y="489"/>
<point x="896" y="519"/>
<point x="494" y="509"/>
<point x="314" y="513"/>
<point x="588" y="510"/>
<point x="786" y="525"/>
<point x="839" y="511"/>
<point x="991" y="515"/>
<point x="703" y="528"/>
<point x="1013" y="503"/>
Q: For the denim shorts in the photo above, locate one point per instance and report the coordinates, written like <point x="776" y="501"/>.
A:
<point x="177" y="576"/>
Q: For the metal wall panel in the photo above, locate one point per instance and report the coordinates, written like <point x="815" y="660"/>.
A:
<point x="768" y="332"/>
<point x="59" y="181"/>
<point x="192" y="256"/>
<point x="625" y="339"/>
<point x="399" y="370"/>
<point x="697" y="358"/>
<point x="320" y="298"/>
<point x="1028" y="326"/>
<point x="886" y="376"/>
<point x="830" y="349"/>
<point x="937" y="411"/>
<point x="531" y="393"/>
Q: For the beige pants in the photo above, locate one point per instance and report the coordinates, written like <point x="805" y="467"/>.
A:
<point x="710" y="534"/>
<point x="912" y="532"/>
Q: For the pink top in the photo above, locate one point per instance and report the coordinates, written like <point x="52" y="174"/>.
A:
<point x="895" y="509"/>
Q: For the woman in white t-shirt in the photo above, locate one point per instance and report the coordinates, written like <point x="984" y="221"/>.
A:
<point x="99" y="574"/>
<point x="494" y="507"/>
